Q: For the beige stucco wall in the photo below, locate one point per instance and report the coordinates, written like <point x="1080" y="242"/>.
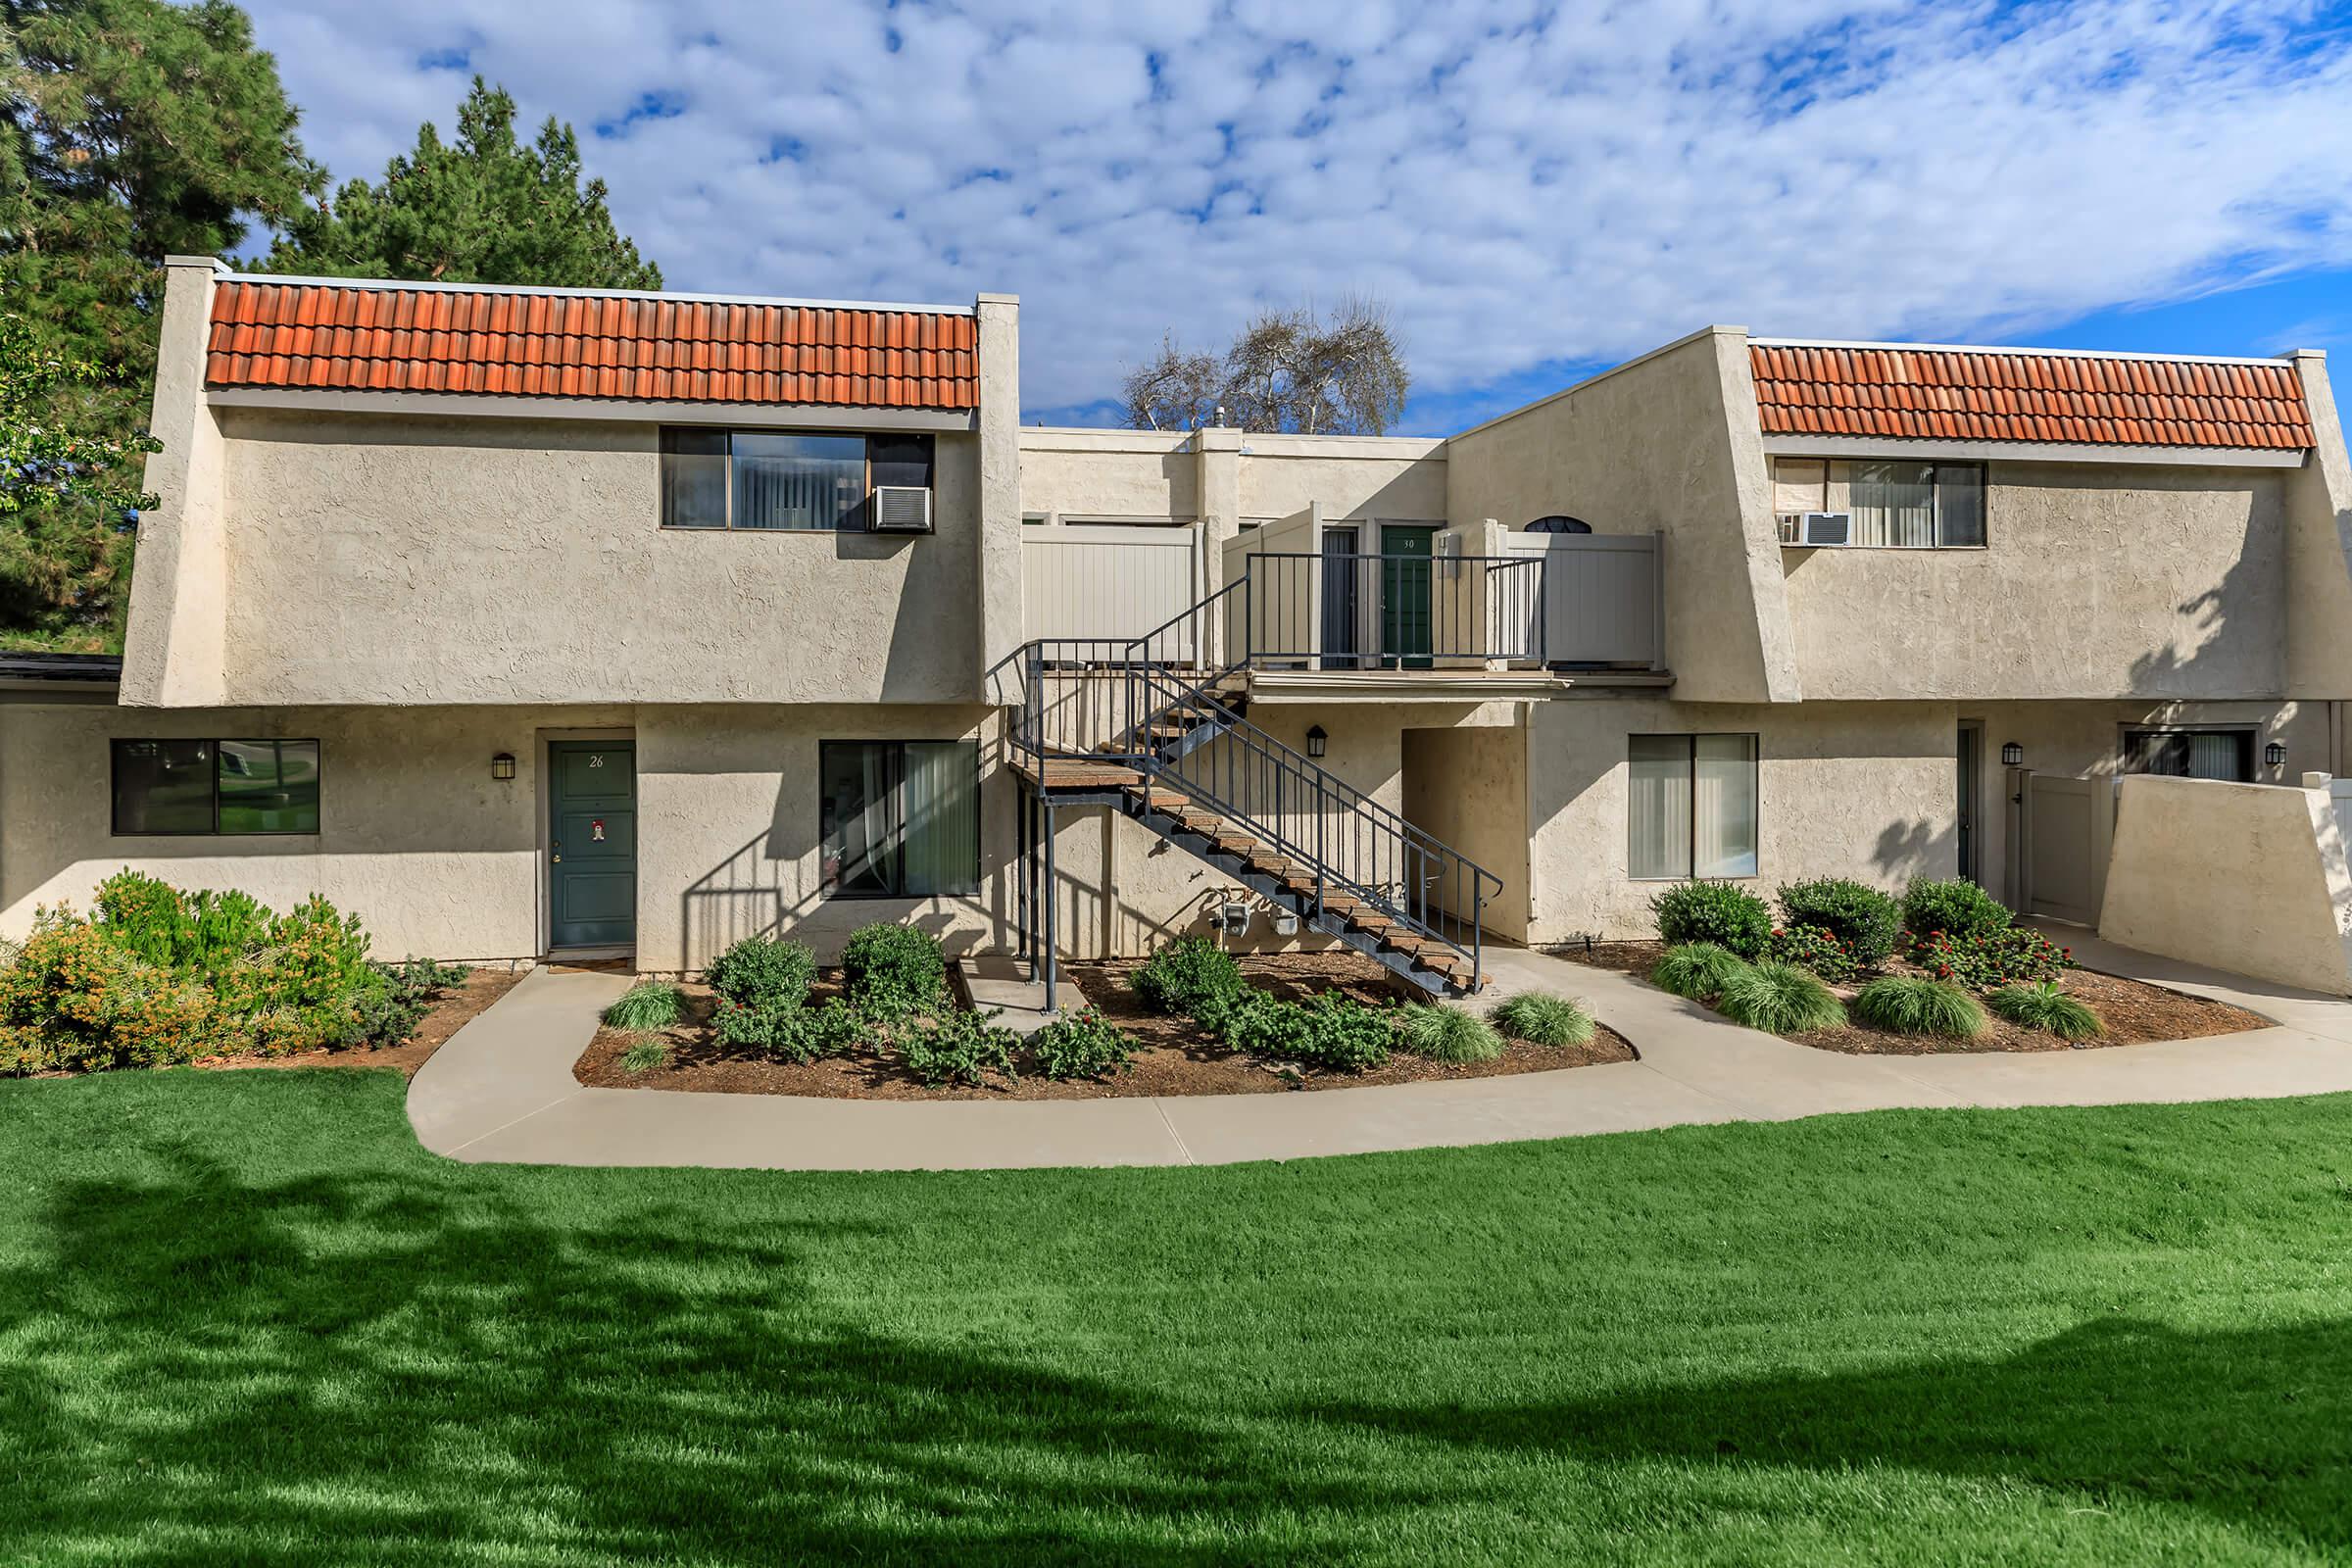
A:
<point x="2318" y="546"/>
<point x="2095" y="581"/>
<point x="2244" y="877"/>
<point x="1845" y="789"/>
<point x="2078" y="740"/>
<point x="1468" y="788"/>
<point x="378" y="558"/>
<point x="727" y="831"/>
<point x="1140" y="474"/>
<point x="173" y="651"/>
<point x="1351" y="476"/>
<point x="1666" y="442"/>
<point x="414" y="836"/>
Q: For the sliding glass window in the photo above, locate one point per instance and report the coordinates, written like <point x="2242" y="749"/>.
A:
<point x="216" y="787"/>
<point x="899" y="818"/>
<point x="1690" y="806"/>
<point x="782" y="481"/>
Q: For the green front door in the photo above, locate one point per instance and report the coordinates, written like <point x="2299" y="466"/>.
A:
<point x="592" y="844"/>
<point x="1405" y="576"/>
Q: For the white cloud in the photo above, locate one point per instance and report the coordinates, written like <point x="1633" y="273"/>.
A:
<point x="1523" y="186"/>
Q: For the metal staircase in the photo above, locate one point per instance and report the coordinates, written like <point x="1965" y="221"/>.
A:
<point x="1147" y="727"/>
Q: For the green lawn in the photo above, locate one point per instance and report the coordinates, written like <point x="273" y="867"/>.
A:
<point x="243" y="1318"/>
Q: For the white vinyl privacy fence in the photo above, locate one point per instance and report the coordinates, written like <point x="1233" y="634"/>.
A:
<point x="1106" y="581"/>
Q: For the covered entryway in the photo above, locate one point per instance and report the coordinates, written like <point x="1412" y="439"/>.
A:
<point x="592" y="844"/>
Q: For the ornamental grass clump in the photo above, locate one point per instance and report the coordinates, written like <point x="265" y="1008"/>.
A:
<point x="1713" y="911"/>
<point x="1542" y="1019"/>
<point x="2047" y="1007"/>
<point x="644" y="1056"/>
<point x="1445" y="1034"/>
<point x="1698" y="970"/>
<point x="1906" y="1004"/>
<point x="647" y="1006"/>
<point x="1779" y="999"/>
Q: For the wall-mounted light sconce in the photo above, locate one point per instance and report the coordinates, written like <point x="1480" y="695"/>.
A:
<point x="2275" y="754"/>
<point x="1316" y="741"/>
<point x="501" y="766"/>
<point x="2012" y="754"/>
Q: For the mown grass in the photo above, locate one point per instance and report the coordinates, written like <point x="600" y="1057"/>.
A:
<point x="243" y="1318"/>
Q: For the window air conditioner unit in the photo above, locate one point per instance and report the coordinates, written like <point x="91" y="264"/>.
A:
<point x="1826" y="528"/>
<point x="902" y="508"/>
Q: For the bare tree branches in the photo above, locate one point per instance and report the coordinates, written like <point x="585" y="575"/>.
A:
<point x="1289" y="371"/>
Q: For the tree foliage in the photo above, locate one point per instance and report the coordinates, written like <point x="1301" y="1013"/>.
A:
<point x="1292" y="371"/>
<point x="129" y="130"/>
<point x="483" y="209"/>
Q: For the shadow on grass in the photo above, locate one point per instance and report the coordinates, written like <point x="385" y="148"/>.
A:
<point x="2250" y="1427"/>
<point x="395" y="1369"/>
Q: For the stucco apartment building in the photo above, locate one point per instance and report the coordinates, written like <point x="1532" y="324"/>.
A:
<point x="534" y="620"/>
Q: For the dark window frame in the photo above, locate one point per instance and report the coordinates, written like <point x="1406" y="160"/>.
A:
<point x="2246" y="735"/>
<point x="923" y="441"/>
<point x="114" y="790"/>
<point x="824" y="837"/>
<point x="1755" y="762"/>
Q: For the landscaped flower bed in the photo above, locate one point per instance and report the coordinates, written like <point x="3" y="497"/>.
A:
<point x="1289" y="1021"/>
<point x="157" y="977"/>
<point x="1851" y="969"/>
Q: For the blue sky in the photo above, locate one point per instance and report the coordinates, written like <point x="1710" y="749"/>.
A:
<point x="1534" y="191"/>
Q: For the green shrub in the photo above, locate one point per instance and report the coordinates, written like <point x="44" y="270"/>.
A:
<point x="1082" y="1045"/>
<point x="204" y="934"/>
<point x="1779" y="999"/>
<point x="1188" y="974"/>
<point x="389" y="1014"/>
<point x="962" y="1048"/>
<point x="1954" y="905"/>
<point x="1988" y="958"/>
<point x="1728" y="916"/>
<point x="1810" y="947"/>
<point x="1910" y="1006"/>
<point x="648" y="1004"/>
<point x="1332" y="1031"/>
<point x="2044" y="1007"/>
<point x="1698" y="970"/>
<point x="1445" y="1034"/>
<point x="892" y="971"/>
<point x="763" y="973"/>
<point x="1542" y="1019"/>
<point x="792" y="1033"/>
<point x="1863" y="919"/>
<point x="644" y="1056"/>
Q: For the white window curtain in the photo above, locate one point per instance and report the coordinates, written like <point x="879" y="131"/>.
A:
<point x="2215" y="757"/>
<point x="1893" y="504"/>
<point x="1690" y="806"/>
<point x="799" y="482"/>
<point x="942" y="817"/>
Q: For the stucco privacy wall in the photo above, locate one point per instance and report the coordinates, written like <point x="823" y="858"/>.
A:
<point x="1669" y="441"/>
<point x="728" y="826"/>
<point x="1138" y="476"/>
<point x="2095" y="581"/>
<point x="1399" y="478"/>
<point x="1845" y="789"/>
<point x="416" y="837"/>
<point x="2245" y="877"/>
<point x="2076" y="740"/>
<point x="2319" y="546"/>
<point x="386" y="559"/>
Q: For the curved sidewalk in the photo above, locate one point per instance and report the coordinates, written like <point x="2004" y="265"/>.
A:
<point x="502" y="1089"/>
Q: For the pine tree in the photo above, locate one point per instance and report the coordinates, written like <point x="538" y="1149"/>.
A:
<point x="483" y="209"/>
<point x="129" y="130"/>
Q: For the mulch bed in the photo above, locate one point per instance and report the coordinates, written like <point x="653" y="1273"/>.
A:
<point x="452" y="1011"/>
<point x="1175" y="1056"/>
<point x="2134" y="1012"/>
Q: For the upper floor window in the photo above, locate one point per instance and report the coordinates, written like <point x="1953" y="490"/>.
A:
<point x="798" y="480"/>
<point x="1895" y="504"/>
<point x="209" y="786"/>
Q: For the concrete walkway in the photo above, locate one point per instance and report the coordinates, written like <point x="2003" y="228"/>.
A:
<point x="502" y="1089"/>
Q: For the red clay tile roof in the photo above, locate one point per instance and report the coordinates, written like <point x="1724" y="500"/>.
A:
<point x="1915" y="394"/>
<point x="384" y="338"/>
